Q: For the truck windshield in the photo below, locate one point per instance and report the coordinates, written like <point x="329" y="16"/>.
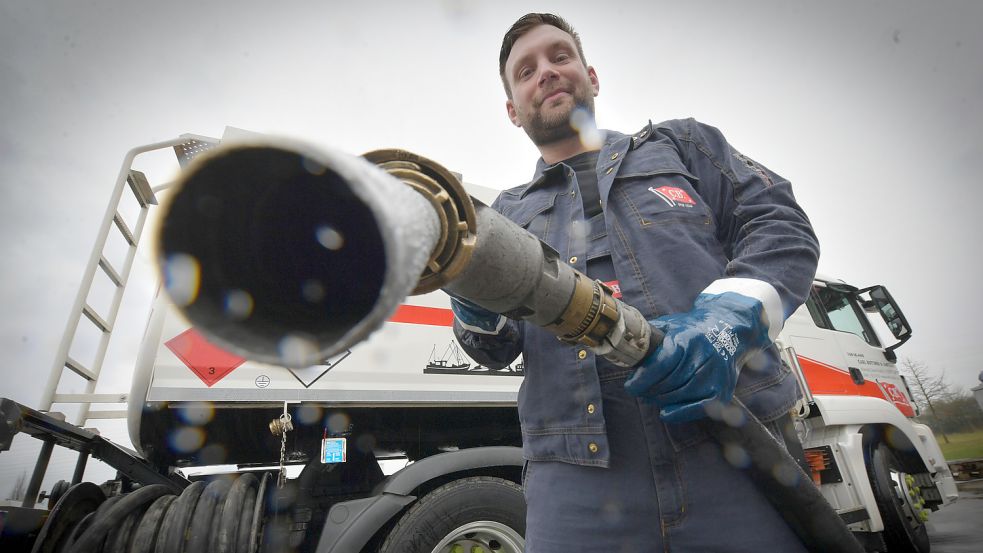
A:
<point x="839" y="310"/>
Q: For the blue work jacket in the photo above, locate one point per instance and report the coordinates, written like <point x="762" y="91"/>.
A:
<point x="681" y="208"/>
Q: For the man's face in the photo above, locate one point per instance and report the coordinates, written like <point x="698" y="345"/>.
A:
<point x="548" y="81"/>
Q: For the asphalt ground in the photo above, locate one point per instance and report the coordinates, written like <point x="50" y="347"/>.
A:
<point x="958" y="528"/>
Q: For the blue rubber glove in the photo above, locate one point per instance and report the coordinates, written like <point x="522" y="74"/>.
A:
<point x="703" y="351"/>
<point x="476" y="318"/>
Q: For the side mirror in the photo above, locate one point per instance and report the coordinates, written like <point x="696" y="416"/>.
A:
<point x="881" y="300"/>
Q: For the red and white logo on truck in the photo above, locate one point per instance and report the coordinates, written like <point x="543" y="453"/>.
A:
<point x="894" y="394"/>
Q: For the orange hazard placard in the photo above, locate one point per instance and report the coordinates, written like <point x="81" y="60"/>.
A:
<point x="208" y="361"/>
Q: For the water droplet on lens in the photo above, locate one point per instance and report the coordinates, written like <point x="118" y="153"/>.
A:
<point x="578" y="230"/>
<point x="187" y="439"/>
<point x="298" y="351"/>
<point x="209" y="206"/>
<point x="736" y="455"/>
<point x="338" y="422"/>
<point x="308" y="414"/>
<point x="785" y="475"/>
<point x="714" y="409"/>
<point x="312" y="290"/>
<point x="612" y="511"/>
<point x="330" y="238"/>
<point x="196" y="413"/>
<point x="238" y="304"/>
<point x="733" y="416"/>
<point x="182" y="278"/>
<point x="583" y="122"/>
<point x="365" y="443"/>
<point x="213" y="454"/>
<point x="313" y="167"/>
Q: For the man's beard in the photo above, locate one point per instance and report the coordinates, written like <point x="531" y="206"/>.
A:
<point x="543" y="130"/>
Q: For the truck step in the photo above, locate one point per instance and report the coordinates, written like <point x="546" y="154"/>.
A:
<point x="966" y="469"/>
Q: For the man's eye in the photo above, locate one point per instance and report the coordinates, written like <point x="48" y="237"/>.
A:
<point x="525" y="73"/>
<point x="562" y="57"/>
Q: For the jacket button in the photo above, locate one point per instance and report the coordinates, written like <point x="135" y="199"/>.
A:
<point x="614" y="155"/>
<point x="608" y="172"/>
<point x="590" y="408"/>
<point x="582" y="354"/>
<point x="573" y="259"/>
<point x="592" y="447"/>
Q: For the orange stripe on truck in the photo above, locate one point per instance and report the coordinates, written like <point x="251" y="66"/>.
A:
<point x="418" y="314"/>
<point x="826" y="379"/>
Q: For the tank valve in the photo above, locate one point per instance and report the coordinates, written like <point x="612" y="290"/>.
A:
<point x="281" y="425"/>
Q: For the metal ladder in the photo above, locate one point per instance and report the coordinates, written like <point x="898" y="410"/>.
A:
<point x="186" y="147"/>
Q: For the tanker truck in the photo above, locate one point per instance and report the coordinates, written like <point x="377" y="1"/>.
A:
<point x="390" y="438"/>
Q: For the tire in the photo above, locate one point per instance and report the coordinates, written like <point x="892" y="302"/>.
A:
<point x="480" y="513"/>
<point x="904" y="531"/>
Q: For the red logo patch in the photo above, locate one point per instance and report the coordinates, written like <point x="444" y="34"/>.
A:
<point x="673" y="194"/>
<point x="615" y="287"/>
<point x="209" y="362"/>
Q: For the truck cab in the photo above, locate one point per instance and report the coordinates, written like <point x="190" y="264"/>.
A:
<point x="879" y="468"/>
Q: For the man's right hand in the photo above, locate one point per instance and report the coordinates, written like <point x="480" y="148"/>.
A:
<point x="475" y="318"/>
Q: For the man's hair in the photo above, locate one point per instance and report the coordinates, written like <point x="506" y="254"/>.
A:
<point x="525" y="24"/>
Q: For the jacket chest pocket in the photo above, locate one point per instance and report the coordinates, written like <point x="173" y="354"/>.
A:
<point x="655" y="188"/>
<point x="535" y="213"/>
<point x="665" y="199"/>
<point x="596" y="238"/>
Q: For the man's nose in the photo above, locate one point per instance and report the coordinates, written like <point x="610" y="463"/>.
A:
<point x="548" y="74"/>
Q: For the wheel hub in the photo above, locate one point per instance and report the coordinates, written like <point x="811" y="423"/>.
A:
<point x="482" y="536"/>
<point x="911" y="496"/>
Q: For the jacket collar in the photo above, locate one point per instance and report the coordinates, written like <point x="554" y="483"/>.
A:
<point x="613" y="141"/>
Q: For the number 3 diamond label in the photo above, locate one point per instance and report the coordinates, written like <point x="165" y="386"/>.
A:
<point x="208" y="361"/>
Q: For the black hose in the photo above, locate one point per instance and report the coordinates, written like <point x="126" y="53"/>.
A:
<point x="782" y="481"/>
<point x="202" y="522"/>
<point x="226" y="538"/>
<point x="81" y="527"/>
<point x="213" y="528"/>
<point x="778" y="475"/>
<point x="174" y="529"/>
<point x="258" y="509"/>
<point x="145" y="538"/>
<point x="245" y="523"/>
<point x="90" y="541"/>
<point x="119" y="538"/>
<point x="223" y="516"/>
<point x="76" y="532"/>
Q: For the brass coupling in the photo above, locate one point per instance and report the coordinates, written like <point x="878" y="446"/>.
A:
<point x="591" y="314"/>
<point x="452" y="204"/>
<point x="281" y="425"/>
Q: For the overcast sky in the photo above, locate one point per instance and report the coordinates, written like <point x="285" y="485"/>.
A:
<point x="871" y="108"/>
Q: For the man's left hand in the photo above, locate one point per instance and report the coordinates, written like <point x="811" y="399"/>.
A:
<point x="701" y="355"/>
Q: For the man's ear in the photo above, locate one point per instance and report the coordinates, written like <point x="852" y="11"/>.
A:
<point x="594" y="83"/>
<point x="513" y="116"/>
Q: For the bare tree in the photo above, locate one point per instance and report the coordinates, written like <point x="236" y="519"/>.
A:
<point x="20" y="486"/>
<point x="926" y="387"/>
<point x="960" y="414"/>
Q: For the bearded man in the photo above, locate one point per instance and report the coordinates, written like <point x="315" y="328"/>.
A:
<point x="712" y="248"/>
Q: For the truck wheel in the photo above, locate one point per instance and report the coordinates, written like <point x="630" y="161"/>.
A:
<point x="904" y="530"/>
<point x="477" y="514"/>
